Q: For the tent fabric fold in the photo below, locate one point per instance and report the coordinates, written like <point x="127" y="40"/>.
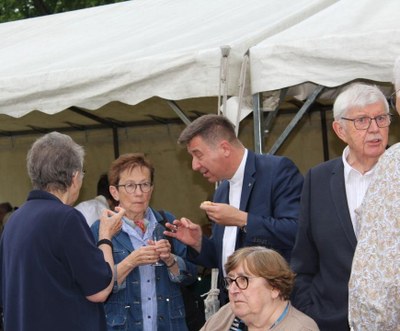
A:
<point x="343" y="42"/>
<point x="134" y="50"/>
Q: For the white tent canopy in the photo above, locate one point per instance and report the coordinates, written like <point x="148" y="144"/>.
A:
<point x="347" y="41"/>
<point x="132" y="51"/>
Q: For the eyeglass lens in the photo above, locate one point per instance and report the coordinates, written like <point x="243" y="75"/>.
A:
<point x="131" y="187"/>
<point x="241" y="282"/>
<point x="363" y="123"/>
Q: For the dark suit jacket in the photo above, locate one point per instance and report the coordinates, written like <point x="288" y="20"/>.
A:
<point x="270" y="195"/>
<point x="324" y="249"/>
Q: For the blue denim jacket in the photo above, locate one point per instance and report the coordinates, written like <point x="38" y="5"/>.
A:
<point x="123" y="307"/>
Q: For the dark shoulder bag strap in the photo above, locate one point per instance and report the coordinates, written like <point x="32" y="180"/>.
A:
<point x="162" y="222"/>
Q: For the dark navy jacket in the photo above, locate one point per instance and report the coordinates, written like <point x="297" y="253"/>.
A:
<point x="270" y="195"/>
<point x="49" y="264"/>
<point x="324" y="248"/>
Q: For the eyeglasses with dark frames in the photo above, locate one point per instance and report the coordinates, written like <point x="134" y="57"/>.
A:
<point x="363" y="123"/>
<point x="131" y="187"/>
<point x="242" y="282"/>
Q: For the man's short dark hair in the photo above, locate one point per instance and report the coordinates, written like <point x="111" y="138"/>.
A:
<point x="211" y="128"/>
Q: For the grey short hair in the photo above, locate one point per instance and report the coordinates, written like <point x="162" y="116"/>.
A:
<point x="53" y="160"/>
<point x="358" y="95"/>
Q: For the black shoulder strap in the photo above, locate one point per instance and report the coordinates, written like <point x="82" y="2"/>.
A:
<point x="164" y="218"/>
<point x="162" y="222"/>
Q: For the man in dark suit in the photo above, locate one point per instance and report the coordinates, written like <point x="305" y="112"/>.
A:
<point x="327" y="237"/>
<point x="257" y="202"/>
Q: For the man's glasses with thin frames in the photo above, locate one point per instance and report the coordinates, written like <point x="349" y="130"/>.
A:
<point x="363" y="123"/>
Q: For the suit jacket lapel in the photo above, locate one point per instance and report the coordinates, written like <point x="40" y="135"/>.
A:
<point x="248" y="180"/>
<point x="338" y="192"/>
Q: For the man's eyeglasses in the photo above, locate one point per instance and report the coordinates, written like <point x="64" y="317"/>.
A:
<point x="131" y="187"/>
<point x="363" y="123"/>
<point x="241" y="282"/>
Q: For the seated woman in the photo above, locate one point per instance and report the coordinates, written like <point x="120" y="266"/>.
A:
<point x="147" y="294"/>
<point x="259" y="282"/>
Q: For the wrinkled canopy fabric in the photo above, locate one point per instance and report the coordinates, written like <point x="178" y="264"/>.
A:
<point x="343" y="42"/>
<point x="134" y="50"/>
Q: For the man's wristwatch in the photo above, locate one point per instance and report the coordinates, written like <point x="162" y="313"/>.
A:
<point x="244" y="228"/>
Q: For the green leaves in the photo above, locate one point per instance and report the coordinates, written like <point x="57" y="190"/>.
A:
<point x="11" y="10"/>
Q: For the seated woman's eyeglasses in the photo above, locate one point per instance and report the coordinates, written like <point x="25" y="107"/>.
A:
<point x="363" y="123"/>
<point x="131" y="187"/>
<point x="241" y="282"/>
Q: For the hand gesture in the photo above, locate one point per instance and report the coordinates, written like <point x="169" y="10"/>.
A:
<point x="224" y="214"/>
<point x="163" y="248"/>
<point x="144" y="255"/>
<point x="186" y="231"/>
<point x="110" y="222"/>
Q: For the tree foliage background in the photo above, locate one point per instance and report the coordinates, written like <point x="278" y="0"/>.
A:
<point x="11" y="10"/>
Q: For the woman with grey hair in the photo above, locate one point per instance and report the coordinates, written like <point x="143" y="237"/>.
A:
<point x="53" y="275"/>
<point x="259" y="282"/>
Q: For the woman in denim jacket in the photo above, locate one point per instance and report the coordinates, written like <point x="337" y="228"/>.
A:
<point x="145" y="296"/>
